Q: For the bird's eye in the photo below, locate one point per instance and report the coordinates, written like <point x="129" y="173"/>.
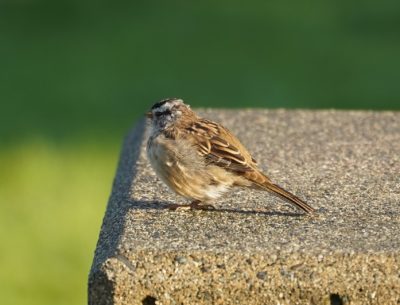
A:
<point x="166" y="112"/>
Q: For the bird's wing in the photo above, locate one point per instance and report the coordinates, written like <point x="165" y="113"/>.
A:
<point x="219" y="146"/>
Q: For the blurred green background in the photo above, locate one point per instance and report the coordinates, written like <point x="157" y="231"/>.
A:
<point x="75" y="76"/>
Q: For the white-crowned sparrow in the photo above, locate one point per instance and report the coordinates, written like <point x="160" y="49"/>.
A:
<point x="201" y="160"/>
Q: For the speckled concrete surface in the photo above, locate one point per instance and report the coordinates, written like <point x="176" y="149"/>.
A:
<point x="256" y="249"/>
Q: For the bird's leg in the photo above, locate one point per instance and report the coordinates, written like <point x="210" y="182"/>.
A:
<point x="195" y="205"/>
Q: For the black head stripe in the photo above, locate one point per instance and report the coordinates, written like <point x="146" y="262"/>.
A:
<point x="162" y="102"/>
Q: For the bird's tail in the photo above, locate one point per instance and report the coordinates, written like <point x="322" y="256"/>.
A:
<point x="284" y="194"/>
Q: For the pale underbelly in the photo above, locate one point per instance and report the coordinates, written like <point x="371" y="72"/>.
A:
<point x="194" y="185"/>
<point x="184" y="172"/>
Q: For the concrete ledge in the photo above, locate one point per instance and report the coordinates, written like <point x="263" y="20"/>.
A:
<point x="255" y="249"/>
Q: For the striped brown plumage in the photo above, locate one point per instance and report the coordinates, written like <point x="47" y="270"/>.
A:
<point x="218" y="145"/>
<point x="201" y="159"/>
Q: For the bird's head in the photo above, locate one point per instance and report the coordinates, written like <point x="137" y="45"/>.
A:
<point x="167" y="112"/>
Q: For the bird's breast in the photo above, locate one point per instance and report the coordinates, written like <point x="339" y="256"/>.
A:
<point x="179" y="166"/>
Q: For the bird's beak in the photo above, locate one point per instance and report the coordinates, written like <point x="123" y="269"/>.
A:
<point x="149" y="115"/>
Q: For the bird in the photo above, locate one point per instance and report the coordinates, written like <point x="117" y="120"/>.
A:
<point x="202" y="160"/>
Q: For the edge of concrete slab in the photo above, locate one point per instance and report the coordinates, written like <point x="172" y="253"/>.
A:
<point x="282" y="275"/>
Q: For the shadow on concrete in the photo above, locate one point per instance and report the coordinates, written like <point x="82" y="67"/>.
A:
<point x="157" y="205"/>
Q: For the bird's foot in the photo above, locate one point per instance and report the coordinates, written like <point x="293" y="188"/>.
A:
<point x="179" y="207"/>
<point x="205" y="207"/>
<point x="195" y="205"/>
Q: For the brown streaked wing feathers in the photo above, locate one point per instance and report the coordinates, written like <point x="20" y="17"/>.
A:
<point x="220" y="147"/>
